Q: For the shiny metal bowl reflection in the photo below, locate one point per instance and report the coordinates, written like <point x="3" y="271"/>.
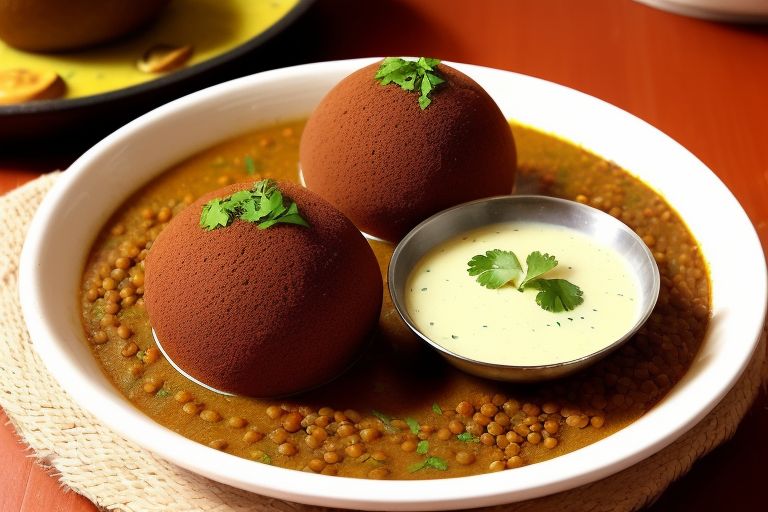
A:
<point x="592" y="222"/>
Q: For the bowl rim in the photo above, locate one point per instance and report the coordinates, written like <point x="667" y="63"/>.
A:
<point x="577" y="362"/>
<point x="473" y="491"/>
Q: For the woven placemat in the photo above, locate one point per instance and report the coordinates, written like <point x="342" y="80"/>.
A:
<point x="118" y="475"/>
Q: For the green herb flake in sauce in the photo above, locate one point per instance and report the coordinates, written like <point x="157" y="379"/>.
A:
<point x="467" y="437"/>
<point x="250" y="165"/>
<point x="413" y="425"/>
<point x="429" y="462"/>
<point x="386" y="420"/>
<point x="423" y="447"/>
<point x="437" y="409"/>
<point x="163" y="393"/>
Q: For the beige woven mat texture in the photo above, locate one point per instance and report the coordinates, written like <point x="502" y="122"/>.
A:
<point x="118" y="475"/>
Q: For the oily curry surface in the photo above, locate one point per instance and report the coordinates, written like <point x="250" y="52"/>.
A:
<point x="400" y="412"/>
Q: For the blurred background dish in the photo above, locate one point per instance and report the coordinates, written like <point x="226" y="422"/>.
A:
<point x="738" y="11"/>
<point x="166" y="50"/>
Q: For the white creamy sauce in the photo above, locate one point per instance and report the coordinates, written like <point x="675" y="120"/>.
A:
<point x="506" y="326"/>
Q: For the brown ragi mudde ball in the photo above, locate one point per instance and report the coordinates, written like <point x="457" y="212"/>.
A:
<point x="263" y="312"/>
<point x="387" y="164"/>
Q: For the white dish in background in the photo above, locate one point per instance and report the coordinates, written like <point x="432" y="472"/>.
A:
<point x="736" y="11"/>
<point x="84" y="197"/>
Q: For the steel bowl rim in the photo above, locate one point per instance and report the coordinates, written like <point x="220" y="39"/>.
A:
<point x="448" y="354"/>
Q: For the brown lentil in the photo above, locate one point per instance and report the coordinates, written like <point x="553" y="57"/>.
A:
<point x="210" y="416"/>
<point x="252" y="436"/>
<point x="274" y="411"/>
<point x="497" y="465"/>
<point x="316" y="465"/>
<point x="292" y="422"/>
<point x="287" y="449"/>
<point x="129" y="349"/>
<point x="219" y="444"/>
<point x="191" y="408"/>
<point x="355" y="450"/>
<point x="182" y="396"/>
<point x="237" y="422"/>
<point x="378" y="473"/>
<point x="331" y="457"/>
<point x="465" y="458"/>
<point x="465" y="409"/>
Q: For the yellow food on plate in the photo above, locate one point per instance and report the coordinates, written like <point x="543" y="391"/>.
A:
<point x="211" y="27"/>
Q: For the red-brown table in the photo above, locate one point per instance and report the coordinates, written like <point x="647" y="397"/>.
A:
<point x="703" y="83"/>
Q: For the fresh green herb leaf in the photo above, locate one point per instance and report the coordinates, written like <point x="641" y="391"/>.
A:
<point x="429" y="462"/>
<point x="417" y="76"/>
<point x="382" y="417"/>
<point x="262" y="204"/>
<point x="437" y="409"/>
<point x="386" y="420"/>
<point x="436" y="463"/>
<point x="423" y="447"/>
<point x="416" y="467"/>
<point x="265" y="459"/>
<point x="413" y="425"/>
<point x="538" y="264"/>
<point x="495" y="269"/>
<point x="215" y="215"/>
<point x="468" y="438"/>
<point x="556" y="295"/>
<point x="250" y="165"/>
<point x="498" y="268"/>
<point x="163" y="393"/>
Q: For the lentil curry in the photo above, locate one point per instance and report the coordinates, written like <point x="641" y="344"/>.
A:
<point x="400" y="412"/>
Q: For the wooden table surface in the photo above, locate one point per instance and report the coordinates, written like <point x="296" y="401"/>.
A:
<point x="703" y="83"/>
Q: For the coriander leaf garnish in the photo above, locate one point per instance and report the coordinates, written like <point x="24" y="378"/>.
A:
<point x="437" y="409"/>
<point x="215" y="215"/>
<point x="413" y="76"/>
<point x="250" y="165"/>
<point x="413" y="425"/>
<point x="386" y="420"/>
<point x="423" y="447"/>
<point x="538" y="264"/>
<point x="263" y="204"/>
<point x="429" y="462"/>
<point x="557" y="295"/>
<point x="495" y="269"/>
<point x="467" y="437"/>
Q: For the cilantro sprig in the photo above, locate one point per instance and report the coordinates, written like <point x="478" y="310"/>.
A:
<point x="411" y="75"/>
<point x="263" y="204"/>
<point x="429" y="462"/>
<point x="496" y="268"/>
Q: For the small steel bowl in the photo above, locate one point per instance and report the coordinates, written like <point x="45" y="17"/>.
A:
<point x="589" y="221"/>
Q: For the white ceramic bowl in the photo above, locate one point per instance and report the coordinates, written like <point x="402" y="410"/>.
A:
<point x="82" y="200"/>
